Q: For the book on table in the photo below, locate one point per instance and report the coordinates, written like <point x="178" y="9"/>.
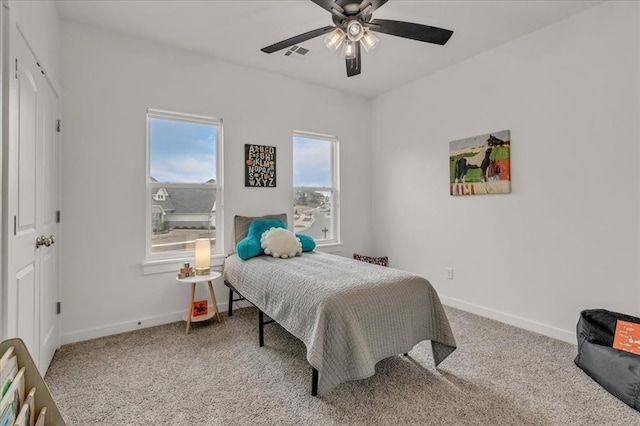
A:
<point x="200" y="307"/>
<point x="627" y="336"/>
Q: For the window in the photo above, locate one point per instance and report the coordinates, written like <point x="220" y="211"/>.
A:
<point x="183" y="184"/>
<point x="315" y="187"/>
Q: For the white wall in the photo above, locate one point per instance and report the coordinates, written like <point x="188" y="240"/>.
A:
<point x="109" y="80"/>
<point x="566" y="238"/>
<point x="40" y="24"/>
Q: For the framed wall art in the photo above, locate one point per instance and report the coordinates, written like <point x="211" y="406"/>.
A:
<point x="480" y="164"/>
<point x="260" y="166"/>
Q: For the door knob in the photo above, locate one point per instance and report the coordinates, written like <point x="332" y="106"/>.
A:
<point x="41" y="241"/>
<point x="45" y="241"/>
<point x="49" y="240"/>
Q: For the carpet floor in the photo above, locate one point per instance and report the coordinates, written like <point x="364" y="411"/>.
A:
<point x="499" y="375"/>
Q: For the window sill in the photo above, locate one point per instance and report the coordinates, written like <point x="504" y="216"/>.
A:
<point x="161" y="266"/>
<point x="329" y="248"/>
<point x="173" y="265"/>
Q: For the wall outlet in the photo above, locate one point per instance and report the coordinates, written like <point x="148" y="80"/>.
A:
<point x="449" y="273"/>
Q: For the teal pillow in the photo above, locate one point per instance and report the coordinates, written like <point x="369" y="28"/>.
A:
<point x="250" y="246"/>
<point x="307" y="242"/>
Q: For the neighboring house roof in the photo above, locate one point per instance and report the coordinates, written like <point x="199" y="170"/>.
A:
<point x="187" y="200"/>
<point x="166" y="204"/>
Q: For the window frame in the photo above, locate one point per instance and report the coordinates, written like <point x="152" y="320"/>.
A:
<point x="169" y="261"/>
<point x="335" y="241"/>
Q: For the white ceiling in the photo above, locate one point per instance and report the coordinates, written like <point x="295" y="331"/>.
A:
<point x="236" y="31"/>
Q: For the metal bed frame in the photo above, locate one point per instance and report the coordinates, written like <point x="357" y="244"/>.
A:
<point x="261" y="324"/>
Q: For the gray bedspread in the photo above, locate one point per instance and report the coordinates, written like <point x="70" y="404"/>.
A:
<point x="349" y="314"/>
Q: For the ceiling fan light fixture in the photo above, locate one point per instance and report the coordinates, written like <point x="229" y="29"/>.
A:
<point x="352" y="29"/>
<point x="355" y="30"/>
<point x="368" y="40"/>
<point x="349" y="49"/>
<point x="334" y="39"/>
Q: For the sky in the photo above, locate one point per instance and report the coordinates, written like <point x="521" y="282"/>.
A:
<point x="182" y="152"/>
<point x="311" y="162"/>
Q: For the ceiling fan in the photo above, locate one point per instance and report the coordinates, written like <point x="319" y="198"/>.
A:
<point x="353" y="26"/>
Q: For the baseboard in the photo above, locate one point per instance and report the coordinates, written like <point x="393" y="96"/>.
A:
<point x="527" y="324"/>
<point x="123" y="327"/>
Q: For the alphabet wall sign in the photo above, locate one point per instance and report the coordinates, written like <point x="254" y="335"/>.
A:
<point x="260" y="166"/>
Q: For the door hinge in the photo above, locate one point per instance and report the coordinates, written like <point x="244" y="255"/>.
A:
<point x="57" y="216"/>
<point x="16" y="67"/>
<point x="15" y="225"/>
<point x="58" y="308"/>
<point x="58" y="129"/>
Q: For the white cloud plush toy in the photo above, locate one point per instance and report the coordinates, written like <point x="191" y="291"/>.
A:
<point x="279" y="242"/>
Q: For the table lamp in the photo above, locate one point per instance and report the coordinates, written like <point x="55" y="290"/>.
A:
<point x="203" y="256"/>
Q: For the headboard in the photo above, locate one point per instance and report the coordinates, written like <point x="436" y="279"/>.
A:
<point x="241" y="225"/>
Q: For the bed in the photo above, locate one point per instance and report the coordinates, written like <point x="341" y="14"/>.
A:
<point x="349" y="314"/>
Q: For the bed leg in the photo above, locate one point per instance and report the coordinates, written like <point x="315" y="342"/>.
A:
<point x="261" y="327"/>
<point x="314" y="382"/>
<point x="230" y="301"/>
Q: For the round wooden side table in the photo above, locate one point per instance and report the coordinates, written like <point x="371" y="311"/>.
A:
<point x="188" y="316"/>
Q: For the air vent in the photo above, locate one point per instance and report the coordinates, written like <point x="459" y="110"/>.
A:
<point x="297" y="52"/>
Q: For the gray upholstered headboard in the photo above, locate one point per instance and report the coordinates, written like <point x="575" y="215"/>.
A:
<point x="241" y="225"/>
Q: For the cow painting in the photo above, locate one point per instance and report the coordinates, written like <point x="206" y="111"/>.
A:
<point x="480" y="164"/>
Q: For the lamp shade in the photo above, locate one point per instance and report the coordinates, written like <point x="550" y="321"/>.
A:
<point x="349" y="49"/>
<point x="334" y="39"/>
<point x="368" y="40"/>
<point x="203" y="256"/>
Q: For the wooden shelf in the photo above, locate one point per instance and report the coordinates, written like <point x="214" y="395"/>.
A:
<point x="199" y="318"/>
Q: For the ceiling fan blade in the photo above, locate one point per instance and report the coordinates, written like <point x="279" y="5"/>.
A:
<point x="354" y="65"/>
<point x="376" y="4"/>
<point x="297" y="39"/>
<point x="413" y="31"/>
<point x="328" y="5"/>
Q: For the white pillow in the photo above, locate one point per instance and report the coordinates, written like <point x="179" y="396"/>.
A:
<point x="279" y="242"/>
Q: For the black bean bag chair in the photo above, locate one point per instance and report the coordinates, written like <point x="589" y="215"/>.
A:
<point x="616" y="370"/>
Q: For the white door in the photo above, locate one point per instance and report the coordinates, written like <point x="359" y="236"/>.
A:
<point x="48" y="253"/>
<point x="32" y="192"/>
